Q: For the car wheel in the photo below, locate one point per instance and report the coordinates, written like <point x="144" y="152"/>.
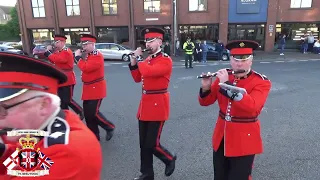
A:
<point x="125" y="58"/>
<point x="36" y="56"/>
<point x="225" y="57"/>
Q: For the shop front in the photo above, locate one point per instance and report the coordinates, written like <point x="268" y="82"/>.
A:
<point x="247" y="20"/>
<point x="254" y="32"/>
<point x="119" y="35"/>
<point x="41" y="36"/>
<point x="140" y="39"/>
<point x="208" y="32"/>
<point x="73" y="35"/>
<point x="295" y="32"/>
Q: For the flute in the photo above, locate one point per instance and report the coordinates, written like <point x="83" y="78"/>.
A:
<point x="143" y="50"/>
<point x="209" y="74"/>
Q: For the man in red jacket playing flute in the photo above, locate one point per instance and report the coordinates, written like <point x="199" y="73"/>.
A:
<point x="154" y="72"/>
<point x="241" y="97"/>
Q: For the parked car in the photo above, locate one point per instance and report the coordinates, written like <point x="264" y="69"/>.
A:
<point x="114" y="51"/>
<point x="38" y="51"/>
<point x="213" y="54"/>
<point x="10" y="49"/>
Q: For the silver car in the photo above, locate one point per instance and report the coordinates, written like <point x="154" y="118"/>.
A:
<point x="114" y="51"/>
<point x="10" y="49"/>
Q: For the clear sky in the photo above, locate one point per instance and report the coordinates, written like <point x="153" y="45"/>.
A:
<point x="8" y="2"/>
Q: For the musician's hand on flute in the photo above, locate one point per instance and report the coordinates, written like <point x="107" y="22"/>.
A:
<point x="78" y="53"/>
<point x="49" y="48"/>
<point x="223" y="75"/>
<point x="206" y="83"/>
<point x="136" y="53"/>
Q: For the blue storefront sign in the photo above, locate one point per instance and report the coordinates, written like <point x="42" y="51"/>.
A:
<point x="248" y="6"/>
<point x="248" y="11"/>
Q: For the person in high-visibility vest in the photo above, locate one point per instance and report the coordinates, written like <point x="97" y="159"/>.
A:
<point x="188" y="47"/>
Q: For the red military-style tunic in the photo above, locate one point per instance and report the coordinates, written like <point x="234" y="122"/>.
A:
<point x="242" y="135"/>
<point x="94" y="83"/>
<point x="63" y="59"/>
<point x="73" y="148"/>
<point x="154" y="73"/>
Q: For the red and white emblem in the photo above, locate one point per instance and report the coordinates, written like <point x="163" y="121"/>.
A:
<point x="28" y="159"/>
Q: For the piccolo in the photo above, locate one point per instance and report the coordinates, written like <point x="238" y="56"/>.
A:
<point x="209" y="74"/>
<point x="143" y="50"/>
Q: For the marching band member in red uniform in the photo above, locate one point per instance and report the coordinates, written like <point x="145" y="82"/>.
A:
<point x="154" y="73"/>
<point x="63" y="58"/>
<point x="236" y="138"/>
<point x="94" y="86"/>
<point x="28" y="96"/>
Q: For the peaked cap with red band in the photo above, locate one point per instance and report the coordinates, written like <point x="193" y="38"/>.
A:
<point x="19" y="73"/>
<point x="58" y="37"/>
<point x="85" y="38"/>
<point x="151" y="33"/>
<point x="242" y="47"/>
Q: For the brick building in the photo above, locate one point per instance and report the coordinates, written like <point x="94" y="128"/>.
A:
<point x="120" y="21"/>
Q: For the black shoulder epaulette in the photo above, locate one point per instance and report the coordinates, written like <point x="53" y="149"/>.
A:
<point x="264" y="77"/>
<point x="95" y="52"/>
<point x="59" y="131"/>
<point x="65" y="49"/>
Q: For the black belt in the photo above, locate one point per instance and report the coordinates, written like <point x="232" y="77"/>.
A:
<point x="94" y="81"/>
<point x="237" y="119"/>
<point x="160" y="91"/>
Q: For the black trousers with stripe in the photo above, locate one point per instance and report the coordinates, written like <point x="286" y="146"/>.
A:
<point x="231" y="168"/>
<point x="94" y="118"/>
<point x="65" y="93"/>
<point x="149" y="136"/>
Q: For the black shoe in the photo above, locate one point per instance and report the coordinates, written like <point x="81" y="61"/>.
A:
<point x="144" y="177"/>
<point x="81" y="115"/>
<point x="170" y="167"/>
<point x="191" y="67"/>
<point x="109" y="135"/>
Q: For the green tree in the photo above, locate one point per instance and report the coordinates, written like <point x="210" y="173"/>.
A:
<point x="13" y="24"/>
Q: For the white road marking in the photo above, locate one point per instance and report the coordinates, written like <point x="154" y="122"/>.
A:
<point x="264" y="62"/>
<point x="303" y="60"/>
<point x="116" y="63"/>
<point x="279" y="61"/>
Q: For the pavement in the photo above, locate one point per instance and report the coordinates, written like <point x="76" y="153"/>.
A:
<point x="289" y="122"/>
<point x="270" y="56"/>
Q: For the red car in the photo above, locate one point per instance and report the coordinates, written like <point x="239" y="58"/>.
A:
<point x="38" y="52"/>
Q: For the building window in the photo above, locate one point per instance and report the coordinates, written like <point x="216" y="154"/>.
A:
<point x="198" y="5"/>
<point x="109" y="7"/>
<point x="73" y="7"/>
<point x="301" y="3"/>
<point x="38" y="8"/>
<point x="151" y="6"/>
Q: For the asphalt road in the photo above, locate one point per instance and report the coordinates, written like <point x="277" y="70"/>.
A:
<point x="290" y="122"/>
